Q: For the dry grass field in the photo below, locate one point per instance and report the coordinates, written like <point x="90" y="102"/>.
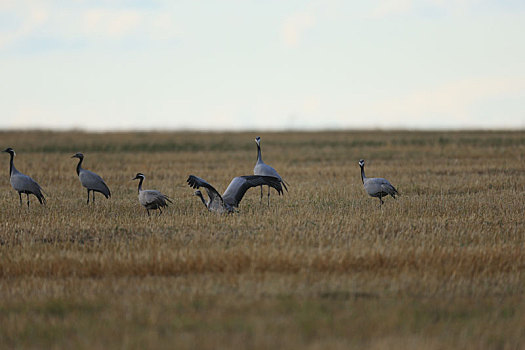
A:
<point x="322" y="268"/>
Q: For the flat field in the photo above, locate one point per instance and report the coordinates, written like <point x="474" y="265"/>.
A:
<point x="323" y="267"/>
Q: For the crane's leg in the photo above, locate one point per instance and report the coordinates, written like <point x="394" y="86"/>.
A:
<point x="148" y="212"/>
<point x="160" y="211"/>
<point x="93" y="197"/>
<point x="20" y="195"/>
<point x="261" y="193"/>
<point x="88" y="197"/>
<point x="27" y="194"/>
<point x="268" y="195"/>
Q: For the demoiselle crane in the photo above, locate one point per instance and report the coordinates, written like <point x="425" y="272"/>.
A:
<point x="264" y="169"/>
<point x="90" y="180"/>
<point x="231" y="198"/>
<point x="376" y="186"/>
<point x="23" y="183"/>
<point x="151" y="199"/>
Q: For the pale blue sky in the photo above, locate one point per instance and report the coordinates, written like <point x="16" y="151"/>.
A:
<point x="246" y="64"/>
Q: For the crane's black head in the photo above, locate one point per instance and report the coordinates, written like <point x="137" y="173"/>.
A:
<point x="258" y="140"/>
<point x="361" y="163"/>
<point x="9" y="150"/>
<point x="139" y="176"/>
<point x="197" y="193"/>
<point x="78" y="155"/>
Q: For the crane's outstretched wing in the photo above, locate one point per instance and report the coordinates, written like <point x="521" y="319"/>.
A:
<point x="197" y="182"/>
<point x="239" y="185"/>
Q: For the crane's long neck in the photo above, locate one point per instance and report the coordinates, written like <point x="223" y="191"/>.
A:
<point x="363" y="176"/>
<point x="11" y="165"/>
<point x="140" y="184"/>
<point x="79" y="165"/>
<point x="202" y="199"/>
<point x="259" y="156"/>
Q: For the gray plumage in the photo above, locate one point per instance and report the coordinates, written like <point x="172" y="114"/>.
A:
<point x="23" y="183"/>
<point x="90" y="180"/>
<point x="151" y="199"/>
<point x="233" y="195"/>
<point x="264" y="169"/>
<point x="376" y="186"/>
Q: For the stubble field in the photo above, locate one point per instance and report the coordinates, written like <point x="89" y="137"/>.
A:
<point x="322" y="268"/>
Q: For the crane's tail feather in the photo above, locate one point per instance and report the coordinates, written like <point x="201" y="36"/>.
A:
<point x="276" y="183"/>
<point x="395" y="192"/>
<point x="106" y="192"/>
<point x="102" y="192"/>
<point x="388" y="189"/>
<point x="41" y="198"/>
<point x="42" y="190"/>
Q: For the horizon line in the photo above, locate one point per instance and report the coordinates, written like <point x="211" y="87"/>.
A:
<point x="268" y="130"/>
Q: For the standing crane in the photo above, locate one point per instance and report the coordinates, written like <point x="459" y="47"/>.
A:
<point x="23" y="183"/>
<point x="264" y="169"/>
<point x="376" y="186"/>
<point x="151" y="199"/>
<point x="90" y="180"/>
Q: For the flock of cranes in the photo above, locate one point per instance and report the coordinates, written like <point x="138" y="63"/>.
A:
<point x="228" y="202"/>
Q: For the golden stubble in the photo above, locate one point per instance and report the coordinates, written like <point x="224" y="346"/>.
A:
<point x="322" y="267"/>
